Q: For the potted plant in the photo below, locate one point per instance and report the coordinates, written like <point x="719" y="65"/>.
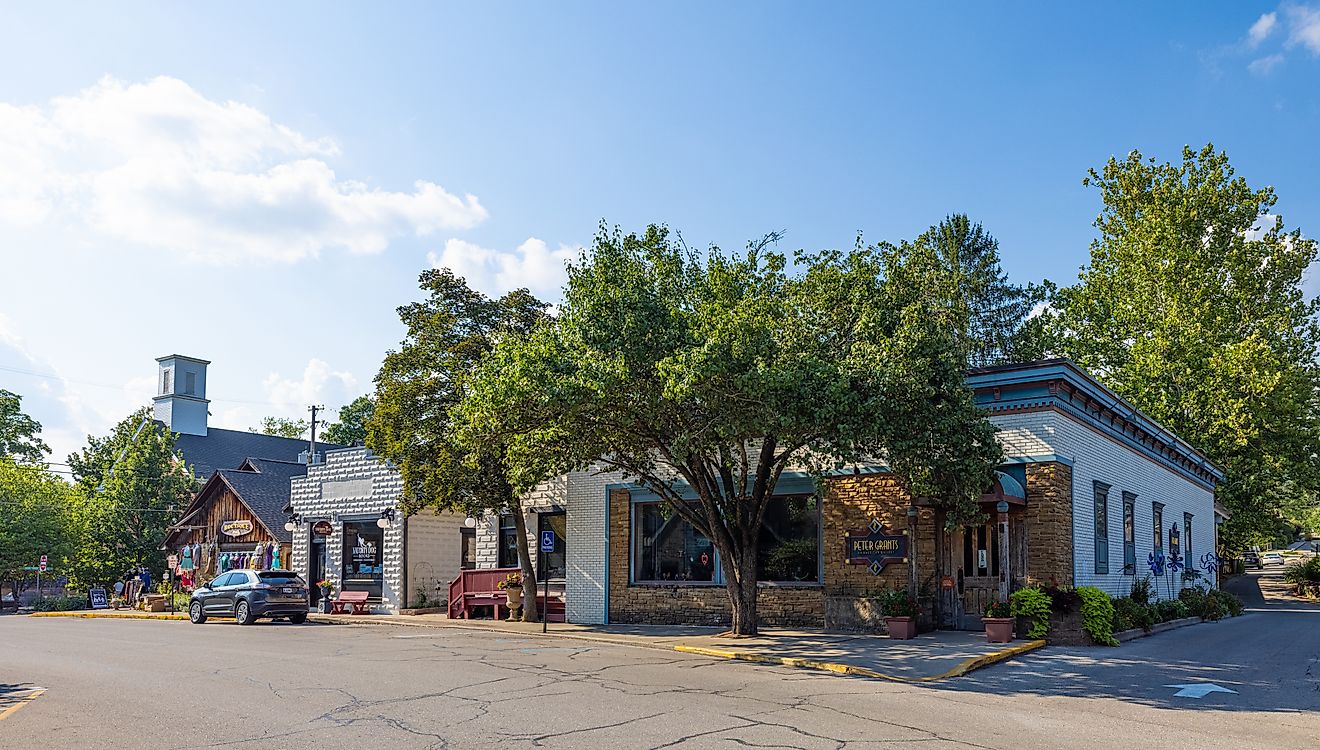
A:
<point x="900" y="611"/>
<point x="512" y="588"/>
<point x="998" y="621"/>
<point x="327" y="588"/>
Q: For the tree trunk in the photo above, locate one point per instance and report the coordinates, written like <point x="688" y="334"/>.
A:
<point x="740" y="584"/>
<point x="529" y="610"/>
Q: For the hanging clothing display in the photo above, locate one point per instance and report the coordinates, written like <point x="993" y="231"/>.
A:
<point x="275" y="556"/>
<point x="267" y="556"/>
<point x="186" y="558"/>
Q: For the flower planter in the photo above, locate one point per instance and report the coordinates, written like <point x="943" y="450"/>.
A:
<point x="998" y="629"/>
<point x="514" y="599"/>
<point x="901" y="628"/>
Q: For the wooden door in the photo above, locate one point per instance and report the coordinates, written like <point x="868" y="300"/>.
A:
<point x="976" y="556"/>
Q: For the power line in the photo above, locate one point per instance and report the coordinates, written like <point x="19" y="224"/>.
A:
<point x="88" y="383"/>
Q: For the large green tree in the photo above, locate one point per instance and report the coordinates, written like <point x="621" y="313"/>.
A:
<point x="706" y="376"/>
<point x="131" y="485"/>
<point x="1192" y="307"/>
<point x="449" y="334"/>
<point x="351" y="427"/>
<point x="282" y="427"/>
<point x="20" y="435"/>
<point x="35" y="515"/>
<point x="958" y="262"/>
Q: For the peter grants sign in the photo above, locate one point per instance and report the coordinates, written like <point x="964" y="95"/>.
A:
<point x="876" y="547"/>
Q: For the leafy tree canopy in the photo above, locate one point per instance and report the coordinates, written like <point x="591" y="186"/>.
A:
<point x="449" y="334"/>
<point x="283" y="427"/>
<point x="1192" y="308"/>
<point x="707" y="376"/>
<point x="35" y="517"/>
<point x="130" y="486"/>
<point x="19" y="433"/>
<point x="351" y="427"/>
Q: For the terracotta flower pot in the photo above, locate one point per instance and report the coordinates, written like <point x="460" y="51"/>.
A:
<point x="901" y="628"/>
<point x="998" y="629"/>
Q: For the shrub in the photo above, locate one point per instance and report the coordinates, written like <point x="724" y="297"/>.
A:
<point x="60" y="603"/>
<point x="1034" y="604"/>
<point x="1128" y="615"/>
<point x="897" y="603"/>
<point x="1143" y="589"/>
<point x="1063" y="599"/>
<point x="1303" y="574"/>
<point x="1171" y="609"/>
<point x="998" y="609"/>
<point x="1097" y="615"/>
<point x="1231" y="604"/>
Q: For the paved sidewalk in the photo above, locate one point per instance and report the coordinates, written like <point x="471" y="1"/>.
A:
<point x="932" y="656"/>
<point x="928" y="657"/>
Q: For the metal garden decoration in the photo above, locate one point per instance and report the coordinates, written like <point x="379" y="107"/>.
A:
<point x="1155" y="561"/>
<point x="1210" y="563"/>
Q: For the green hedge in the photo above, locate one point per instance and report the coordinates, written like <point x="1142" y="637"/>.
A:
<point x="60" y="603"/>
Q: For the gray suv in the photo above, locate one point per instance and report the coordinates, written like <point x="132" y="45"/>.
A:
<point x="246" y="595"/>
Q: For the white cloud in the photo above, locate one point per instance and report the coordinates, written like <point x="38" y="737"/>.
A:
<point x="532" y="265"/>
<point x="1303" y="27"/>
<point x="1263" y="65"/>
<point x="159" y="165"/>
<point x="319" y="385"/>
<point x="1262" y="28"/>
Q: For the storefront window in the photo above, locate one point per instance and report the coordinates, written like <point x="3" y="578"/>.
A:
<point x="508" y="542"/>
<point x="469" y="548"/>
<point x="1157" y="514"/>
<point x="789" y="547"/>
<point x="667" y="548"/>
<point x="1101" y="496"/>
<point x="1187" y="540"/>
<point x="553" y="563"/>
<point x="363" y="569"/>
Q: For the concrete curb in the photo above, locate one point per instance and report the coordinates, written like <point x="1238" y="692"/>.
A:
<point x="113" y="616"/>
<point x="1124" y="636"/>
<point x="964" y="667"/>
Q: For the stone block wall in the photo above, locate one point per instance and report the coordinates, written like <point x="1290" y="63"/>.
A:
<point x="1049" y="524"/>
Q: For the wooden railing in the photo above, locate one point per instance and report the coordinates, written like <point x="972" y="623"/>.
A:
<point x="474" y="581"/>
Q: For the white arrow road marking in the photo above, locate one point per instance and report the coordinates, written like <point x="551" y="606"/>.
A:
<point x="1199" y="690"/>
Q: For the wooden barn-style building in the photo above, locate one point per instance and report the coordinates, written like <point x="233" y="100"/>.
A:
<point x="236" y="520"/>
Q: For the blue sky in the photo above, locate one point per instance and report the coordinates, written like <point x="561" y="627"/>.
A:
<point x="260" y="184"/>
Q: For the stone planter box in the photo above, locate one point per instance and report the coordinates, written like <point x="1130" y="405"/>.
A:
<point x="422" y="611"/>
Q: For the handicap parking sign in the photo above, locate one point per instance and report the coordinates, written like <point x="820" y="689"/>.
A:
<point x="547" y="541"/>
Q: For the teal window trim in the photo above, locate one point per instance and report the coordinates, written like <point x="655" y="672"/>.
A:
<point x="1129" y="533"/>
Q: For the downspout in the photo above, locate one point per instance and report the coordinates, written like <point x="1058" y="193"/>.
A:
<point x="403" y="561"/>
<point x="606" y="617"/>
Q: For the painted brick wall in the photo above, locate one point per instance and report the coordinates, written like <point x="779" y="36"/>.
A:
<point x="434" y="555"/>
<point x="1026" y="433"/>
<point x="355" y="466"/>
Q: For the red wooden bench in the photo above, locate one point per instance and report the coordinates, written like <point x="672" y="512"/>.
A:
<point x="349" y="600"/>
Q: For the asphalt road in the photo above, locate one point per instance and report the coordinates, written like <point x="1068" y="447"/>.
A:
<point x="151" y="684"/>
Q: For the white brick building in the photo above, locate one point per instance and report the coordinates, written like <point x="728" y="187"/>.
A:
<point x="347" y="496"/>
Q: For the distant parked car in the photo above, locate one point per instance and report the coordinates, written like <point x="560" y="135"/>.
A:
<point x="247" y="595"/>
<point x="1271" y="558"/>
<point x="1250" y="560"/>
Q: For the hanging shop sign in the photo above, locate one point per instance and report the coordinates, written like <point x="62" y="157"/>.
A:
<point x="876" y="547"/>
<point x="236" y="528"/>
<point x="322" y="528"/>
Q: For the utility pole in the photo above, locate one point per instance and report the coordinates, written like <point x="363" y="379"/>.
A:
<point x="311" y="454"/>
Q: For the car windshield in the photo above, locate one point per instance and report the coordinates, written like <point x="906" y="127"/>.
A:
<point x="280" y="578"/>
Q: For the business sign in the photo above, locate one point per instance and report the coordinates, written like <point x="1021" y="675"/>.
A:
<point x="322" y="528"/>
<point x="236" y="528"/>
<point x="876" y="547"/>
<point x="99" y="600"/>
<point x="547" y="541"/>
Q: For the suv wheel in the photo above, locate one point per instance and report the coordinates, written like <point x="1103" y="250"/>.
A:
<point x="196" y="614"/>
<point x="298" y="619"/>
<point x="243" y="614"/>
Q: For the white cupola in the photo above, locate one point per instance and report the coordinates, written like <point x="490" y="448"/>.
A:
<point x="180" y="401"/>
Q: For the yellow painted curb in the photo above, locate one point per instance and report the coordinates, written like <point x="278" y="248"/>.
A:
<point x="961" y="669"/>
<point x="110" y="616"/>
<point x="36" y="693"/>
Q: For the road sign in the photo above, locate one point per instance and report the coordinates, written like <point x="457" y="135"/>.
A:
<point x="547" y="541"/>
<point x="42" y="566"/>
<point x="172" y="561"/>
<point x="1199" y="690"/>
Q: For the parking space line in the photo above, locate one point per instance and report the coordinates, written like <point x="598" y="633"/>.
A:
<point x="31" y="696"/>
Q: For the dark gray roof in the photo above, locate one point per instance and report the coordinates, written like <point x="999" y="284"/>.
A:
<point x="224" y="449"/>
<point x="265" y="492"/>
